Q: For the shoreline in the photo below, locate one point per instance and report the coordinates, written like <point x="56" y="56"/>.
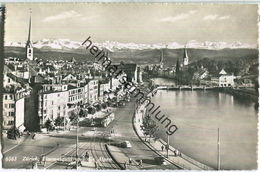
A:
<point x="183" y="161"/>
<point x="187" y="147"/>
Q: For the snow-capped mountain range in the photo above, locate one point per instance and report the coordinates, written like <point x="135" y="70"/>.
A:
<point x="66" y="44"/>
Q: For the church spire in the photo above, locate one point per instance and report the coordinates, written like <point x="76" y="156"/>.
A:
<point x="161" y="59"/>
<point x="29" y="48"/>
<point x="185" y="57"/>
<point x="29" y="33"/>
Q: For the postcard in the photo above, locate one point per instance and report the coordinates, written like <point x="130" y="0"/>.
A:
<point x="129" y="86"/>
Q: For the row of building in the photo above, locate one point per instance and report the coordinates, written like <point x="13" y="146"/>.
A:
<point x="36" y="90"/>
<point x="36" y="99"/>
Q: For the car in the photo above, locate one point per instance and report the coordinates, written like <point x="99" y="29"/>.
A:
<point x="126" y="144"/>
<point x="93" y="129"/>
<point x="160" y="160"/>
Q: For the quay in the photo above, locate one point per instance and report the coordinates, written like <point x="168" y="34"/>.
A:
<point x="171" y="87"/>
<point x="242" y="92"/>
<point x="182" y="161"/>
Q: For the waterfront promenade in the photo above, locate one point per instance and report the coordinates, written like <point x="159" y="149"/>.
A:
<point x="182" y="161"/>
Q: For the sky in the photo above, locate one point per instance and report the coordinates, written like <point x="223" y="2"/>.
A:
<point x="131" y="22"/>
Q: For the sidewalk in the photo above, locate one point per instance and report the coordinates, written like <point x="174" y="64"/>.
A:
<point x="182" y="161"/>
<point x="121" y="158"/>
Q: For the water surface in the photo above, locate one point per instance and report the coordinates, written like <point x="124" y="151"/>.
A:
<point x="198" y="115"/>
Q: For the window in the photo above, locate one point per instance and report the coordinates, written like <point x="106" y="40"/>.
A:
<point x="11" y="113"/>
<point x="58" y="95"/>
<point x="10" y="123"/>
<point x="9" y="80"/>
<point x="6" y="97"/>
<point x="11" y="105"/>
<point x="6" y="105"/>
<point x="58" y="107"/>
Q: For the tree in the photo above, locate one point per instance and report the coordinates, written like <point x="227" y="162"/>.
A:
<point x="58" y="121"/>
<point x="73" y="116"/>
<point x="177" y="67"/>
<point x="91" y="110"/>
<point x="98" y="107"/>
<point x="104" y="105"/>
<point x="149" y="126"/>
<point x="13" y="133"/>
<point x="178" y="73"/>
<point x="48" y="125"/>
<point x="83" y="113"/>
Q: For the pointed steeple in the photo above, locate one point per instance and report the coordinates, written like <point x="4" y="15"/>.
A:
<point x="29" y="33"/>
<point x="29" y="48"/>
<point x="161" y="59"/>
<point x="185" y="57"/>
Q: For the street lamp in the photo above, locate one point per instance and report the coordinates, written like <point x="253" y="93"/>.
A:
<point x="77" y="140"/>
<point x="77" y="137"/>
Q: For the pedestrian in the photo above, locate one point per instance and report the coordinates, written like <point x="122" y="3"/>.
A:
<point x="125" y="165"/>
<point x="96" y="166"/>
<point x="40" y="159"/>
<point x="79" y="163"/>
<point x="86" y="156"/>
<point x="130" y="161"/>
<point x="162" y="147"/>
<point x="34" y="165"/>
<point x="33" y="135"/>
<point x="44" y="160"/>
<point x="141" y="163"/>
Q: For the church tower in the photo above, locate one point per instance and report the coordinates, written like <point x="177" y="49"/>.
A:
<point x="185" y="57"/>
<point x="29" y="48"/>
<point x="161" y="59"/>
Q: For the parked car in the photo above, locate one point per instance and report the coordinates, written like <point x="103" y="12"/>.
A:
<point x="93" y="129"/>
<point x="160" y="160"/>
<point x="126" y="144"/>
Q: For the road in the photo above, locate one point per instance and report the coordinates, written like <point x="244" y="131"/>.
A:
<point x="92" y="141"/>
<point x="124" y="131"/>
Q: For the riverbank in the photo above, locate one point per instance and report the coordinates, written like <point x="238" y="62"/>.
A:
<point x="199" y="114"/>
<point x="182" y="161"/>
<point x="248" y="93"/>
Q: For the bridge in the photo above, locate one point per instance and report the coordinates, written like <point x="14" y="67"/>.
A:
<point x="249" y="93"/>
<point x="184" y="87"/>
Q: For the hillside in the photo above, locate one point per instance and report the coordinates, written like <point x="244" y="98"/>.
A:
<point x="147" y="56"/>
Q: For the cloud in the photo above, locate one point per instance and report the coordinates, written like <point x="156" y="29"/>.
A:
<point x="61" y="16"/>
<point x="215" y="17"/>
<point x="224" y="17"/>
<point x="89" y="17"/>
<point x="178" y="17"/>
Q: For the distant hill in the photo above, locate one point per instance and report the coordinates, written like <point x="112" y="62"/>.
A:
<point x="146" y="56"/>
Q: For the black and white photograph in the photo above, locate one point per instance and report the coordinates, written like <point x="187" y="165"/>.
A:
<point x="129" y="86"/>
